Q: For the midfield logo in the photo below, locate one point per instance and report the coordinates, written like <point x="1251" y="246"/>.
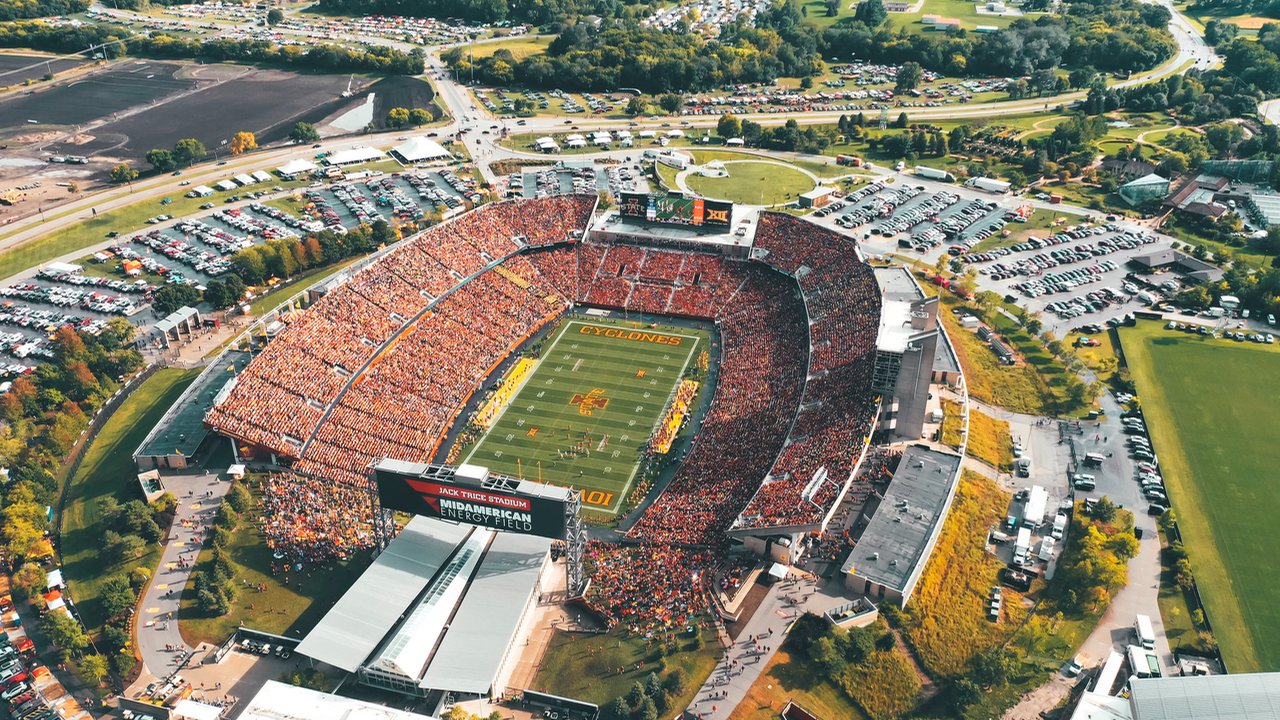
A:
<point x="592" y="401"/>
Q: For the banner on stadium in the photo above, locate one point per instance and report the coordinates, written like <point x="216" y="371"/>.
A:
<point x="676" y="209"/>
<point x="506" y="510"/>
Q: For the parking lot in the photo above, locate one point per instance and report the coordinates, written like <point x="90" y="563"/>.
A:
<point x="573" y="177"/>
<point x="120" y="280"/>
<point x="1074" y="276"/>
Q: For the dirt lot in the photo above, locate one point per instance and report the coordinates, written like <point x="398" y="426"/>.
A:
<point x="84" y="100"/>
<point x="17" y="69"/>
<point x="405" y="92"/>
<point x="265" y="102"/>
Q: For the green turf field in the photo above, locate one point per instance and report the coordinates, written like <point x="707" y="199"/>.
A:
<point x="1212" y="413"/>
<point x="587" y="411"/>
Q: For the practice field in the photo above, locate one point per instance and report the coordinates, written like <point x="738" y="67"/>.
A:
<point x="587" y="411"/>
<point x="1212" y="412"/>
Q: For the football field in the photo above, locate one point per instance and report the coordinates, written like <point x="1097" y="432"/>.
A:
<point x="585" y="414"/>
<point x="1212" y="413"/>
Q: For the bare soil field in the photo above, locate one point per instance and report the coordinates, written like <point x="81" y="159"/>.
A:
<point x="16" y="69"/>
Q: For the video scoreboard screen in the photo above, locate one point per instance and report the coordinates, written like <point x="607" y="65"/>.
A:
<point x="676" y="209"/>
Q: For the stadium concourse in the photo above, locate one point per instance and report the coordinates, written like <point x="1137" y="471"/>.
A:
<point x="346" y="383"/>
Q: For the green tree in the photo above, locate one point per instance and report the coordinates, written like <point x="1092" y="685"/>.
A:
<point x="117" y="595"/>
<point x="29" y="580"/>
<point x="93" y="669"/>
<point x="728" y="126"/>
<point x="418" y="116"/>
<point x="65" y="632"/>
<point x="964" y="692"/>
<point x="397" y="117"/>
<point x="162" y="160"/>
<point x="833" y="7"/>
<point x="902" y="120"/>
<point x="671" y="103"/>
<point x="121" y="548"/>
<point x="172" y="297"/>
<point x="275" y="16"/>
<point x="304" y="132"/>
<point x="188" y="151"/>
<point x="637" y="106"/>
<point x="1104" y="510"/>
<point x="122" y="663"/>
<point x="909" y="76"/>
<point x="871" y="12"/>
<point x="239" y="497"/>
<point x="122" y="173"/>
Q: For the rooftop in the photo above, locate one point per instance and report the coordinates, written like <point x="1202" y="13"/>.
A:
<point x="900" y="531"/>
<point x="280" y="701"/>
<point x="1249" y="696"/>
<point x="182" y="429"/>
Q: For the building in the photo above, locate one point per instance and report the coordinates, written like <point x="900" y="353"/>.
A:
<point x="1176" y="260"/>
<point x="1247" y="696"/>
<point x="897" y="6"/>
<point x="1264" y="208"/>
<point x="1127" y="169"/>
<point x="1148" y="187"/>
<point x="889" y="557"/>
<point x="1198" y="195"/>
<point x="817" y="197"/>
<point x="906" y="350"/>
<point x="419" y="149"/>
<point x="440" y="610"/>
<point x="281" y="701"/>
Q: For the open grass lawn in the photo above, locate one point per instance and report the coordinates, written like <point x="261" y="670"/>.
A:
<point x="289" y="609"/>
<point x="1212" y="412"/>
<point x="952" y="424"/>
<point x="753" y="183"/>
<point x="1037" y="224"/>
<point x="1090" y="196"/>
<point x="520" y="47"/>
<point x="1050" y="375"/>
<point x="1013" y="387"/>
<point x="962" y="10"/>
<point x="990" y="441"/>
<point x="1161" y="136"/>
<point x="1101" y="359"/>
<point x="790" y="679"/>
<point x="108" y="471"/>
<point x="586" y="413"/>
<point x="585" y="667"/>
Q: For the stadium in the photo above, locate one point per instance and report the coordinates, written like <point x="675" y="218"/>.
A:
<point x="526" y="339"/>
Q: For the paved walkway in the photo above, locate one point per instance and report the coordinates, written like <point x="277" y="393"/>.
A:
<point x="159" y="641"/>
<point x="763" y="635"/>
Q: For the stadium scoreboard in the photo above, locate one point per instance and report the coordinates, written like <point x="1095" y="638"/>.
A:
<point x="677" y="209"/>
<point x="470" y="494"/>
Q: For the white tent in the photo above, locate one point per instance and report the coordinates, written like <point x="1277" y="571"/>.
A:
<point x="735" y="142"/>
<point x="245" y="180"/>
<point x="575" y="142"/>
<point x="419" y="149"/>
<point x="227" y="185"/>
<point x="355" y="155"/>
<point x="260" y="176"/>
<point x="675" y="133"/>
<point x="297" y="167"/>
<point x="647" y="133"/>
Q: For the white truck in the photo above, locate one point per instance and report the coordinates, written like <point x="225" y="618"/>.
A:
<point x="1059" y="526"/>
<point x="934" y="174"/>
<point x="1144" y="633"/>
<point x="1022" y="547"/>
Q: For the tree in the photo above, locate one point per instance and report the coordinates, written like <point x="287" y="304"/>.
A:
<point x="964" y="693"/>
<point x="239" y="497"/>
<point x="29" y="580"/>
<point x="1104" y="510"/>
<point x="833" y="7"/>
<point x="162" y="160"/>
<point x="65" y="632"/>
<point x="671" y="103"/>
<point x="728" y="126"/>
<point x="304" y="132"/>
<point x="902" y="120"/>
<point x="121" y="548"/>
<point x="117" y="595"/>
<point x="122" y="663"/>
<point x="620" y="708"/>
<point x="275" y="16"/>
<point x="637" y="106"/>
<point x="397" y="117"/>
<point x="909" y="76"/>
<point x="172" y="297"/>
<point x="122" y="173"/>
<point x="188" y="151"/>
<point x="243" y="142"/>
<point x="93" y="669"/>
<point x="871" y="12"/>
<point x="418" y="116"/>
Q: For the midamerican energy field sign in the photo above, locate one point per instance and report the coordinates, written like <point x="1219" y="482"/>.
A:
<point x="452" y="500"/>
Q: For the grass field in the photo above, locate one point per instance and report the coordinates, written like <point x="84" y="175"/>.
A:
<point x="1212" y="412"/>
<point x="108" y="471"/>
<point x="588" y="409"/>
<point x="752" y="183"/>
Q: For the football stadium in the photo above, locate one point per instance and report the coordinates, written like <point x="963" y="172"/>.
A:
<point x="732" y="379"/>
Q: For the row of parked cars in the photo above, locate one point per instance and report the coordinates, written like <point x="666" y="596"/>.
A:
<point x="1146" y="469"/>
<point x="21" y="698"/>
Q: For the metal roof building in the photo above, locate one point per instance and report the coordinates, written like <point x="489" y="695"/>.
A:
<point x="281" y="701"/>
<point x="1250" y="696"/>
<point x="889" y="557"/>
<point x="439" y="610"/>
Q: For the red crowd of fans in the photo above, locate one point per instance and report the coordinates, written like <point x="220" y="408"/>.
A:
<point x="312" y="521"/>
<point x="651" y="589"/>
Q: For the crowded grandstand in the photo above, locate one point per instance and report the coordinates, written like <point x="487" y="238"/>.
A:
<point x="384" y="365"/>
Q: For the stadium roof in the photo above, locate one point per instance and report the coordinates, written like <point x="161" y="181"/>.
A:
<point x="1249" y="696"/>
<point x="481" y="632"/>
<point x="280" y="701"/>
<point x="894" y="543"/>
<point x="417" y="149"/>
<point x="367" y="612"/>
